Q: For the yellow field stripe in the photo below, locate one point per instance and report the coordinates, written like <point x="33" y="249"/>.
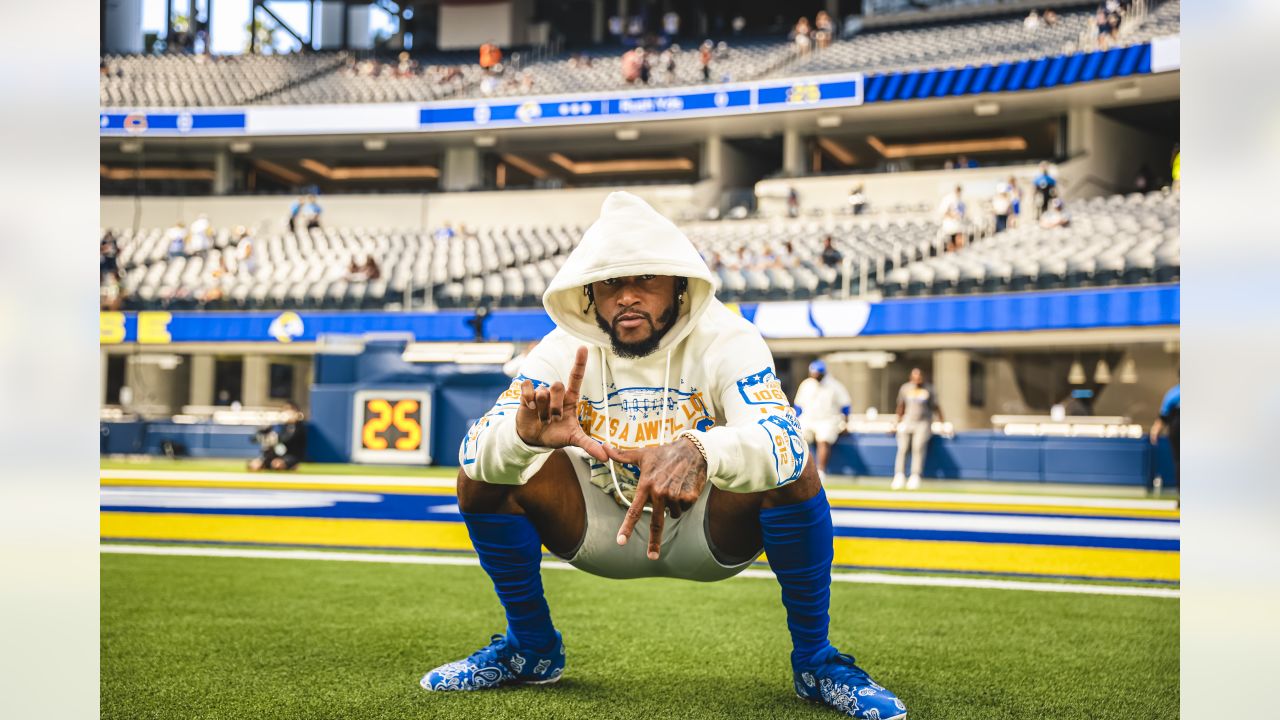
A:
<point x="333" y="532"/>
<point x="1003" y="508"/>
<point x="269" y="485"/>
<point x="1008" y="558"/>
<point x="408" y="534"/>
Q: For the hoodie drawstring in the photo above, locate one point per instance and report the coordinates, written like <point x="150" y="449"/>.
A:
<point x="662" y="426"/>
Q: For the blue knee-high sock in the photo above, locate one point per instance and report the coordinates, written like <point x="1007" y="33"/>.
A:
<point x="511" y="553"/>
<point x="798" y="542"/>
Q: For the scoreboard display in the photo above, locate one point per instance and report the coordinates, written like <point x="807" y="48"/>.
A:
<point x="391" y="426"/>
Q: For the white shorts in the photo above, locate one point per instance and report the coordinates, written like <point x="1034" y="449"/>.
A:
<point x="820" y="430"/>
<point x="686" y="547"/>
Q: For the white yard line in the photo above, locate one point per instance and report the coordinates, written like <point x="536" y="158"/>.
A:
<point x="247" y="477"/>
<point x="854" y="577"/>
<point x="438" y="482"/>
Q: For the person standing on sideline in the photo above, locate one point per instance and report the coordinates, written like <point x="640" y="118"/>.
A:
<point x="917" y="404"/>
<point x="823" y="406"/>
<point x="1170" y="409"/>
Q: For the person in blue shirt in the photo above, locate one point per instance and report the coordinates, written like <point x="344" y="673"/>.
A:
<point x="1046" y="187"/>
<point x="1170" y="409"/>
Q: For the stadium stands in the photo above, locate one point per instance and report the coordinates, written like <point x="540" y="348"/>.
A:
<point x="501" y="266"/>
<point x="602" y="69"/>
<point x="976" y="42"/>
<point x="1110" y="240"/>
<point x="370" y="81"/>
<point x="203" y="80"/>
<point x="319" y="78"/>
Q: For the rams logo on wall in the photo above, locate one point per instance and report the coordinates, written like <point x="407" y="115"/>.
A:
<point x="135" y="123"/>
<point x="286" y="327"/>
<point x="529" y="111"/>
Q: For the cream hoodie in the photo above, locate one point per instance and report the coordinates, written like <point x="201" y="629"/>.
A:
<point x="712" y="374"/>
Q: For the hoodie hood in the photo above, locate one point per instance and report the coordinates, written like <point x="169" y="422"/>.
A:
<point x="629" y="238"/>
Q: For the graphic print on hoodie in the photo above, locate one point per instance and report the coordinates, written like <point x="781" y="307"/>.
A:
<point x="712" y="373"/>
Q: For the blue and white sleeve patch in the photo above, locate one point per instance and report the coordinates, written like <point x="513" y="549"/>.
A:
<point x="787" y="442"/>
<point x="762" y="388"/>
<point x="785" y="438"/>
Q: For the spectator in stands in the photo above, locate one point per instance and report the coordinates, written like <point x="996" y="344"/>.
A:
<point x="366" y="269"/>
<point x="1046" y="187"/>
<point x="831" y="257"/>
<point x="490" y="56"/>
<point x="667" y="61"/>
<point x="951" y="210"/>
<point x="311" y="212"/>
<point x="704" y="57"/>
<point x="857" y="200"/>
<point x="1032" y="21"/>
<point x="526" y="81"/>
<point x="631" y="62"/>
<point x="1175" y="168"/>
<point x="246" y="255"/>
<point x="645" y="69"/>
<point x="177" y="236"/>
<point x="444" y="233"/>
<point x="1170" y="411"/>
<point x="739" y="24"/>
<point x="917" y="404"/>
<point x="1050" y="18"/>
<point x="217" y="271"/>
<point x="111" y="292"/>
<point x="802" y="36"/>
<point x="295" y="208"/>
<point x="406" y="66"/>
<point x="822" y="403"/>
<point x="201" y="236"/>
<point x="1015" y="200"/>
<point x="108" y="252"/>
<point x="745" y="260"/>
<point x="786" y="257"/>
<point x="284" y="445"/>
<point x="716" y="263"/>
<point x="1056" y="215"/>
<point x="1102" y="27"/>
<point x="1001" y="206"/>
<point x="824" y="29"/>
<point x="793" y="203"/>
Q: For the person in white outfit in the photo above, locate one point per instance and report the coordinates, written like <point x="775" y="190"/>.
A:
<point x="917" y="404"/>
<point x="823" y="406"/>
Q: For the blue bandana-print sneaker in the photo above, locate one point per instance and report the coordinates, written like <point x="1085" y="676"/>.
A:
<point x="499" y="663"/>
<point x="841" y="684"/>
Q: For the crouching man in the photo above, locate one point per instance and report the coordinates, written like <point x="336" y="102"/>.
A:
<point x="647" y="435"/>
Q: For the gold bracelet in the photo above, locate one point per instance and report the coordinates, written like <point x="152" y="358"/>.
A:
<point x="696" y="443"/>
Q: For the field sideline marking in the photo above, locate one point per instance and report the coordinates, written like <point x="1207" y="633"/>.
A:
<point x="835" y="494"/>
<point x="871" y="578"/>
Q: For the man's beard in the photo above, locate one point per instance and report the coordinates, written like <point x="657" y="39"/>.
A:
<point x="644" y="347"/>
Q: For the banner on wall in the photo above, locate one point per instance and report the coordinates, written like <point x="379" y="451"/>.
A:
<point x="1137" y="306"/>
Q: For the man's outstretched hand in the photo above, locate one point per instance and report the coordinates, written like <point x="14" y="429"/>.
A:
<point x="671" y="478"/>
<point x="548" y="417"/>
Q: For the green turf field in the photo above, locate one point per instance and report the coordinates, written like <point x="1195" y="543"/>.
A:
<point x="198" y="637"/>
